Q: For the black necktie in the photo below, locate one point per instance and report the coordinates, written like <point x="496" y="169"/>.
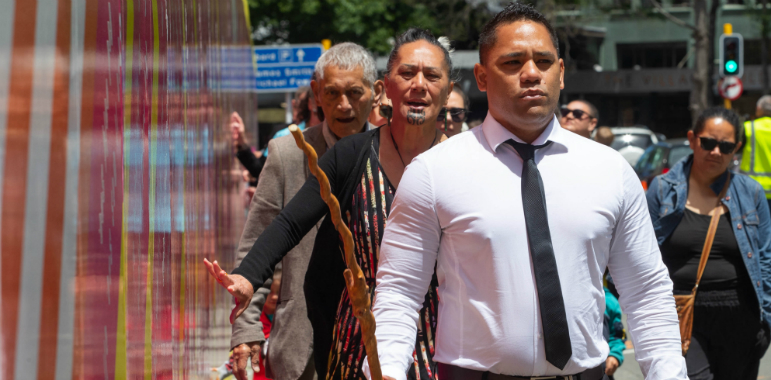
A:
<point x="556" y="336"/>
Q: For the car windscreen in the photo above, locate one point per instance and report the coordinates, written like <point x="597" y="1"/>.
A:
<point x="677" y="153"/>
<point x="643" y="162"/>
<point x="638" y="140"/>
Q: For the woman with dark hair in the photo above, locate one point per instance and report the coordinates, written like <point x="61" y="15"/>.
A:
<point x="364" y="171"/>
<point x="733" y="301"/>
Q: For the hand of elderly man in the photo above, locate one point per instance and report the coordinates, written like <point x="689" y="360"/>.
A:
<point x="241" y="355"/>
<point x="237" y="285"/>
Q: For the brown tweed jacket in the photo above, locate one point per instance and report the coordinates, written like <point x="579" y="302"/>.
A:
<point x="291" y="339"/>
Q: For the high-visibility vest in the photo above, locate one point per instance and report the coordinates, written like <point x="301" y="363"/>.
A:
<point x="756" y="155"/>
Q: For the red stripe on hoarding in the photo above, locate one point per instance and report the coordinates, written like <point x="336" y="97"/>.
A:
<point x="15" y="174"/>
<point x="52" y="259"/>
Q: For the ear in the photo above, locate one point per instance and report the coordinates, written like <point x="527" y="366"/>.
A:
<point x="378" y="94"/>
<point x="481" y="77"/>
<point x="315" y="88"/>
<point x="562" y="75"/>
<point x="593" y="124"/>
<point x="738" y="147"/>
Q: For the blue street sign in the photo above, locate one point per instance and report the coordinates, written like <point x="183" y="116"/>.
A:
<point x="285" y="68"/>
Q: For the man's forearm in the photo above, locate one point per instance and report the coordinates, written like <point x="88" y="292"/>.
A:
<point x="248" y="328"/>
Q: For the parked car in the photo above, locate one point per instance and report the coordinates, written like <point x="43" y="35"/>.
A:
<point x="631" y="142"/>
<point x="660" y="157"/>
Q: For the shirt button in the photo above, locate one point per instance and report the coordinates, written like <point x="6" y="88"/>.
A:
<point x="739" y="226"/>
<point x="758" y="283"/>
<point x="749" y="254"/>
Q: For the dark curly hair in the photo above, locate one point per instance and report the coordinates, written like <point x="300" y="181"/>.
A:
<point x="512" y="13"/>
<point x="710" y="113"/>
<point x="413" y="35"/>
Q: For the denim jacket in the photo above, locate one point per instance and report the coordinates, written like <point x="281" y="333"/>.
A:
<point x="748" y="210"/>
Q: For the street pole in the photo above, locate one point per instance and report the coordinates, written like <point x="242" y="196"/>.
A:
<point x="288" y="101"/>
<point x="727" y="29"/>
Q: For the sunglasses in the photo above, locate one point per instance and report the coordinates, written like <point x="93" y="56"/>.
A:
<point x="457" y="114"/>
<point x="709" y="144"/>
<point x="578" y="114"/>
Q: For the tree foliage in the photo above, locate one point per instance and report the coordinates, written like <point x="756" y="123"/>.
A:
<point x="371" y="23"/>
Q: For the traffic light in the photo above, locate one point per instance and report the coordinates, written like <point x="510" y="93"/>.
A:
<point x="731" y="55"/>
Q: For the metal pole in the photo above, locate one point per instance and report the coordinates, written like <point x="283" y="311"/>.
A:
<point x="727" y="29"/>
<point x="288" y="100"/>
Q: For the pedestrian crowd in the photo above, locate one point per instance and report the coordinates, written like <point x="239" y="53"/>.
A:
<point x="505" y="248"/>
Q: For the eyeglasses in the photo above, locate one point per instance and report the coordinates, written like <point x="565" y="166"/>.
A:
<point x="457" y="114"/>
<point x="385" y="111"/>
<point x="578" y="114"/>
<point x="709" y="144"/>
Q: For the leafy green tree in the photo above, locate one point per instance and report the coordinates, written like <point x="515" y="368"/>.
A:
<point x="371" y="23"/>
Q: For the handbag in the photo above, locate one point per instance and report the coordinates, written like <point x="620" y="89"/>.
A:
<point x="685" y="302"/>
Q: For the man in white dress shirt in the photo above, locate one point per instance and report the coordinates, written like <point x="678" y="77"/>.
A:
<point x="508" y="229"/>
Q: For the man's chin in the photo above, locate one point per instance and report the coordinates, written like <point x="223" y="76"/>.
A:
<point x="539" y="113"/>
<point x="345" y="129"/>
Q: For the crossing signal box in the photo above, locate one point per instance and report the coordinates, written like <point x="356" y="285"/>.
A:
<point x="731" y="55"/>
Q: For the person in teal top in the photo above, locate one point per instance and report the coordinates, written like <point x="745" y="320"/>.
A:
<point x="281" y="133"/>
<point x="305" y="112"/>
<point x="613" y="330"/>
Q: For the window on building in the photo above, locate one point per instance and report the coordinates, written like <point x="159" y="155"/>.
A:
<point x="752" y="52"/>
<point x="650" y="56"/>
<point x="580" y="48"/>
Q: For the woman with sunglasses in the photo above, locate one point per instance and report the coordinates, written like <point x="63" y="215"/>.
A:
<point x="364" y="172"/>
<point x="733" y="301"/>
<point x="452" y="119"/>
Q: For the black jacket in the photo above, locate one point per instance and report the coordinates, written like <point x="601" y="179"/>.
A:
<point x="324" y="282"/>
<point x="250" y="161"/>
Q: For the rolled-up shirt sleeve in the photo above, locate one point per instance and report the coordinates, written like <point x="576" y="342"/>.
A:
<point x="644" y="286"/>
<point x="408" y="254"/>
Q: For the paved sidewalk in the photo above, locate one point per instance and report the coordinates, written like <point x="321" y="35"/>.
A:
<point x="630" y="370"/>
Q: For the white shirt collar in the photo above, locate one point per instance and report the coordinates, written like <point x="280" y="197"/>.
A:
<point x="496" y="134"/>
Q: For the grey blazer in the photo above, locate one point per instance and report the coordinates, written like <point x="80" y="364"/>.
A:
<point x="291" y="343"/>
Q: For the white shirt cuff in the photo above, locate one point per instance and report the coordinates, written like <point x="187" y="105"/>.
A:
<point x="387" y="371"/>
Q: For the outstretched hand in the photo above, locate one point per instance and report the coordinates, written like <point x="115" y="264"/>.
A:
<point x="237" y="285"/>
<point x="238" y="131"/>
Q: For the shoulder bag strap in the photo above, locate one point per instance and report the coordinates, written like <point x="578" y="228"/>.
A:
<point x="711" y="232"/>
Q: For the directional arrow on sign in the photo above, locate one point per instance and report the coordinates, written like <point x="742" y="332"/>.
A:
<point x="300" y="55"/>
<point x="730" y="88"/>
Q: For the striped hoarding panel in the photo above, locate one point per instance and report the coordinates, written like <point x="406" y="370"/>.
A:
<point x="116" y="179"/>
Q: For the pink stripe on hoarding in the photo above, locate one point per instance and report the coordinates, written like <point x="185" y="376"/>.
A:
<point x="84" y="185"/>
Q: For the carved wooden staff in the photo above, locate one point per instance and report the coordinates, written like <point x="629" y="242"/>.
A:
<point x="358" y="290"/>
